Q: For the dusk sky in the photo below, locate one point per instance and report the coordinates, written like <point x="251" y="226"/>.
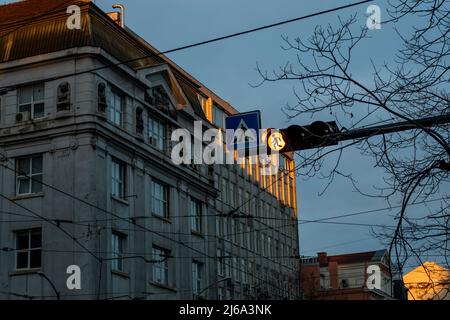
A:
<point x="228" y="67"/>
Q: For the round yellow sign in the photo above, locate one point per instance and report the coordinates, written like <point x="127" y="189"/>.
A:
<point x="276" y="141"/>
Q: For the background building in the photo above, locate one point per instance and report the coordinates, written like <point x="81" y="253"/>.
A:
<point x="429" y="281"/>
<point x="344" y="277"/>
<point x="86" y="117"/>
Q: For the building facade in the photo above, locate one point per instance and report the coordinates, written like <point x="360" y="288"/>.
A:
<point x="345" y="277"/>
<point x="429" y="281"/>
<point x="86" y="177"/>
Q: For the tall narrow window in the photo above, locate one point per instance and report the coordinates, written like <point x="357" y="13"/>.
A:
<point x="139" y="120"/>
<point x="232" y="195"/>
<point x="117" y="248"/>
<point x="160" y="195"/>
<point x="116" y="108"/>
<point x="118" y="179"/>
<point x="28" y="249"/>
<point x="197" y="277"/>
<point x="29" y="175"/>
<point x="157" y="133"/>
<point x="195" y="212"/>
<point x="161" y="268"/>
<point x="220" y="263"/>
<point x="31" y="99"/>
<point x="218" y="116"/>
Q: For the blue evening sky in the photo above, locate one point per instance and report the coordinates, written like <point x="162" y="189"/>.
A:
<point x="227" y="68"/>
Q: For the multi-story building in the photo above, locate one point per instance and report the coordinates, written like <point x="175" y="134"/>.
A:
<point x="429" y="281"/>
<point x="86" y="177"/>
<point x="345" y="277"/>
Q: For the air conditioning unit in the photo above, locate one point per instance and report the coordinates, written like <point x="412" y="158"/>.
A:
<point x="23" y="116"/>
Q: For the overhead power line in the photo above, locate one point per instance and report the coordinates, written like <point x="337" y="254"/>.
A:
<point x="160" y="234"/>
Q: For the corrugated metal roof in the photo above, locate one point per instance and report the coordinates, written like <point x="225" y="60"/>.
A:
<point x="44" y="30"/>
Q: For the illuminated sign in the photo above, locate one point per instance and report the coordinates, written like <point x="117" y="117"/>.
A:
<point x="276" y="141"/>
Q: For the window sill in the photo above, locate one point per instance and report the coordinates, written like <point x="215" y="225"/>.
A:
<point x="121" y="274"/>
<point x="24" y="272"/>
<point x="123" y="201"/>
<point x="167" y="220"/>
<point x="198" y="234"/>
<point x="163" y="286"/>
<point x="28" y="196"/>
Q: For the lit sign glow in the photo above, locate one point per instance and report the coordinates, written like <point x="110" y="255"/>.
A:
<point x="276" y="141"/>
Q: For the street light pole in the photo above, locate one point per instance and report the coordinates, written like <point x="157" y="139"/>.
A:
<point x="43" y="275"/>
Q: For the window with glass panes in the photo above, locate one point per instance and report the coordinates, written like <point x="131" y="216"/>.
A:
<point x="234" y="227"/>
<point x="235" y="268"/>
<point x="29" y="175"/>
<point x="157" y="133"/>
<point x="117" y="250"/>
<point x="31" y="99"/>
<point x="220" y="293"/>
<point x="197" y="277"/>
<point x="242" y="236"/>
<point x="232" y="195"/>
<point x="160" y="195"/>
<point x="161" y="265"/>
<point x="249" y="238"/>
<point x="243" y="271"/>
<point x="116" y="107"/>
<point x="218" y="116"/>
<point x="225" y="191"/>
<point x="227" y="265"/>
<point x="28" y="249"/>
<point x="220" y="263"/>
<point x="195" y="212"/>
<point x="118" y="178"/>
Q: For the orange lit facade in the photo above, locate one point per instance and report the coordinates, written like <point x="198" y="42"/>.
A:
<point x="429" y="281"/>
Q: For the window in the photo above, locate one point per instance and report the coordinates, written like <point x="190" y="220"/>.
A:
<point x="234" y="231"/>
<point x="220" y="293"/>
<point x="28" y="249"/>
<point x="157" y="133"/>
<point x="161" y="269"/>
<point x="244" y="271"/>
<point x="29" y="175"/>
<point x="220" y="263"/>
<point x="242" y="235"/>
<point x="232" y="195"/>
<point x="160" y="195"/>
<point x="116" y="108"/>
<point x="117" y="246"/>
<point x="220" y="227"/>
<point x="118" y="179"/>
<point x="197" y="277"/>
<point x="195" y="211"/>
<point x="235" y="269"/>
<point x="218" y="116"/>
<point x="31" y="99"/>
<point x="248" y="239"/>
<point x="227" y="266"/>
<point x="225" y="191"/>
